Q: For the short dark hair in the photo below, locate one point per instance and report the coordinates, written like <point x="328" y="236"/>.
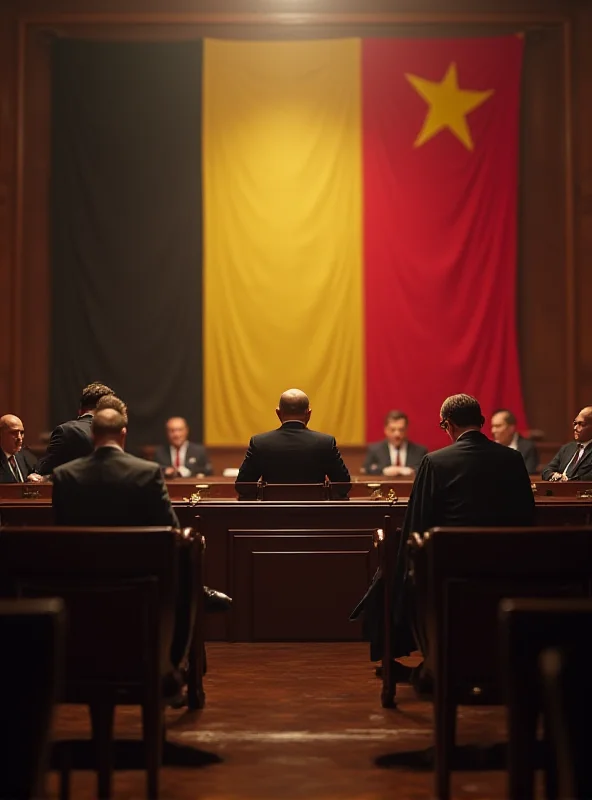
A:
<point x="462" y="410"/>
<point x="114" y="402"/>
<point x="510" y="418"/>
<point x="108" y="422"/>
<point x="92" y="393"/>
<point x="394" y="416"/>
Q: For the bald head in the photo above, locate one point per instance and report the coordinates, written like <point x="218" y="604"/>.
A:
<point x="582" y="425"/>
<point x="108" y="427"/>
<point x="12" y="434"/>
<point x="294" y="404"/>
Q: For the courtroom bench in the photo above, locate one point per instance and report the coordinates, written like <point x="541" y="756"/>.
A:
<point x="120" y="589"/>
<point x="458" y="577"/>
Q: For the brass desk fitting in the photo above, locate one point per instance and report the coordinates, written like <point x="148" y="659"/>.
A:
<point x="203" y="491"/>
<point x="376" y="493"/>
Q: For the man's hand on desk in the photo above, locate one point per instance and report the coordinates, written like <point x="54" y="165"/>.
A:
<point x="558" y="476"/>
<point x="402" y="472"/>
<point x="170" y="472"/>
<point x="34" y="477"/>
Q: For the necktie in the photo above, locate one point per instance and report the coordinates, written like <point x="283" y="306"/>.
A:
<point x="15" y="469"/>
<point x="397" y="458"/>
<point x="576" y="461"/>
<point x="178" y="458"/>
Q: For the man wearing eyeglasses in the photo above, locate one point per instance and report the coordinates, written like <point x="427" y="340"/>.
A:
<point x="573" y="461"/>
<point x="472" y="483"/>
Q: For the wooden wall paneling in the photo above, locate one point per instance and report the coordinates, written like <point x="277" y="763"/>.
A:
<point x="582" y="33"/>
<point x="542" y="295"/>
<point x="8" y="291"/>
<point x="35" y="330"/>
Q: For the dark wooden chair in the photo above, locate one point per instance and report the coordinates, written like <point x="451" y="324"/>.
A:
<point x="119" y="586"/>
<point x="460" y="576"/>
<point x="527" y="627"/>
<point x="292" y="492"/>
<point x="567" y="695"/>
<point x="32" y="636"/>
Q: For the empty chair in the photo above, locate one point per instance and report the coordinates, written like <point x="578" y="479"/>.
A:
<point x="567" y="694"/>
<point x="527" y="627"/>
<point x="32" y="640"/>
<point x="460" y="575"/>
<point x="119" y="587"/>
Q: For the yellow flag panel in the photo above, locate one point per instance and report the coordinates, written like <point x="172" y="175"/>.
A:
<point x="282" y="183"/>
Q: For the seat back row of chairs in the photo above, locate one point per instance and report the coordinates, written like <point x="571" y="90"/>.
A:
<point x="459" y="580"/>
<point x="117" y="591"/>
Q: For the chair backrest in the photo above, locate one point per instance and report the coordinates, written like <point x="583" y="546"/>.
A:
<point x="291" y="492"/>
<point x="32" y="637"/>
<point x="465" y="573"/>
<point x="567" y="693"/>
<point x="119" y="587"/>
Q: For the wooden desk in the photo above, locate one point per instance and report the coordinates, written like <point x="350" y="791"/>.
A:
<point x="295" y="570"/>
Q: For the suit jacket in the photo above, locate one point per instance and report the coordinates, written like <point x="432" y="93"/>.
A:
<point x="110" y="487"/>
<point x="529" y="453"/>
<point x="562" y="458"/>
<point x="26" y="461"/>
<point x="68" y="441"/>
<point x="378" y="456"/>
<point x="472" y="483"/>
<point x="292" y="454"/>
<point x="196" y="458"/>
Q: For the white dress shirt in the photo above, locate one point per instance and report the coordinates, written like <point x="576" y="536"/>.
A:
<point x="514" y="443"/>
<point x="402" y="454"/>
<point x="184" y="471"/>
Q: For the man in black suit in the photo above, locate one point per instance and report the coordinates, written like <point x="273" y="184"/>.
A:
<point x="395" y="455"/>
<point x="113" y="488"/>
<point x="471" y="483"/>
<point x="292" y="453"/>
<point x="573" y="461"/>
<point x="15" y="463"/>
<point x="71" y="439"/>
<point x="503" y="430"/>
<point x="182" y="458"/>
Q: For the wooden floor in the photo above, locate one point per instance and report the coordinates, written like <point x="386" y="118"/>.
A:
<point x="295" y="721"/>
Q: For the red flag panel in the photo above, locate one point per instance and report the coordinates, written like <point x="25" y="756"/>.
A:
<point x="440" y="140"/>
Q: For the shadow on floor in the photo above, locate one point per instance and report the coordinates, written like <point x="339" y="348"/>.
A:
<point x="129" y="754"/>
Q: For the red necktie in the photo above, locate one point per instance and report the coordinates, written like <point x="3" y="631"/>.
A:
<point x="397" y="458"/>
<point x="178" y="458"/>
<point x="15" y="469"/>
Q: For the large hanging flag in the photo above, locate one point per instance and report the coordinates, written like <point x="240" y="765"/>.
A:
<point x="359" y="211"/>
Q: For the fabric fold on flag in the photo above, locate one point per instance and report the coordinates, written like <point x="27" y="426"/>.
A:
<point x="283" y="240"/>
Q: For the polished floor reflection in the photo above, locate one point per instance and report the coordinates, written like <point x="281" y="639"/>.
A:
<point x="299" y="721"/>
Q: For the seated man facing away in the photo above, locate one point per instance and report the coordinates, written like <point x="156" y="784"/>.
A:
<point x="15" y="463"/>
<point x="182" y="458"/>
<point x="71" y="439"/>
<point x="471" y="483"/>
<point x="112" y="488"/>
<point x="395" y="455"/>
<point x="503" y="430"/>
<point x="573" y="461"/>
<point x="292" y="453"/>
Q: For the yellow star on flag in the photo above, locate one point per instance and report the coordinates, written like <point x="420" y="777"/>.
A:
<point x="448" y="106"/>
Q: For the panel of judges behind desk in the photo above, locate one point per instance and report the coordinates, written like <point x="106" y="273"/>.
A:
<point x="295" y="569"/>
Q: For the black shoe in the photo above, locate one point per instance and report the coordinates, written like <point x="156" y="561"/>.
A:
<point x="216" y="601"/>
